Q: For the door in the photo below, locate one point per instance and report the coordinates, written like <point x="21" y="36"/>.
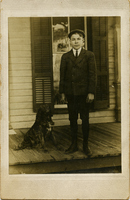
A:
<point x="98" y="43"/>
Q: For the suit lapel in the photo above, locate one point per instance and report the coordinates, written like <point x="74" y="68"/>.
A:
<point x="79" y="58"/>
<point x="71" y="56"/>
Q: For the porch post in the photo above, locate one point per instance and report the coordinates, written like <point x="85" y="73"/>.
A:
<point x="117" y="46"/>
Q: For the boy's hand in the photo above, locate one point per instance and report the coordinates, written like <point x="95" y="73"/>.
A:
<point x="90" y="98"/>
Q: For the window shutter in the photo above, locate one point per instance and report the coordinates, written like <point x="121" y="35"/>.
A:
<point x="99" y="42"/>
<point x="42" y="73"/>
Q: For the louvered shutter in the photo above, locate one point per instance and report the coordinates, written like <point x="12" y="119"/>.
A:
<point x="98" y="43"/>
<point x="42" y="61"/>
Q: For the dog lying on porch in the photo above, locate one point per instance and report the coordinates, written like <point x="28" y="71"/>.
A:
<point x="42" y="128"/>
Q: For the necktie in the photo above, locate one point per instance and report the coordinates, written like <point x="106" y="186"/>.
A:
<point x="76" y="53"/>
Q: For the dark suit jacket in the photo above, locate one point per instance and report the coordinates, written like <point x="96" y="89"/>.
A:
<point x="77" y="75"/>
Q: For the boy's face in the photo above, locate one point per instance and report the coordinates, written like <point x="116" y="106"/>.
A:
<point x="76" y="41"/>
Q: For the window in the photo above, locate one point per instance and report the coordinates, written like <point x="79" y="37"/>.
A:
<point x="60" y="28"/>
<point x="60" y="45"/>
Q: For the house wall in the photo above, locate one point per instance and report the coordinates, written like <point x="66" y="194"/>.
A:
<point x="20" y="73"/>
<point x="20" y="78"/>
<point x="111" y="62"/>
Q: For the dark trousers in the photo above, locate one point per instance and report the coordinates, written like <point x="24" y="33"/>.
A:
<point x="77" y="104"/>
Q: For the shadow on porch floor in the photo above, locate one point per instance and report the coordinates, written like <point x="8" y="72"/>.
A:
<point x="104" y="141"/>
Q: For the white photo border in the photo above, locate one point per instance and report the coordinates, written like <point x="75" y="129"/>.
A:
<point x="68" y="186"/>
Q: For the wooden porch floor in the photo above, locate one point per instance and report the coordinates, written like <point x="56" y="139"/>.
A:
<point x="104" y="141"/>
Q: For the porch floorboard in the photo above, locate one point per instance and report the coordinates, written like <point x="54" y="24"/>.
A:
<point x="104" y="141"/>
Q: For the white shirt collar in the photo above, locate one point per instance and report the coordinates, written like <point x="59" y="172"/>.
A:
<point x="74" y="51"/>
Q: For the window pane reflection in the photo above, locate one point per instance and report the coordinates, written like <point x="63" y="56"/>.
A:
<point x="60" y="46"/>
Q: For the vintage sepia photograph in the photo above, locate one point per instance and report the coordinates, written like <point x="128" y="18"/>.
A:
<point x="64" y="99"/>
<point x="64" y="85"/>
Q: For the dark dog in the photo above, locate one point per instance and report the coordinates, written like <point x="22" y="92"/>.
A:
<point x="36" y="135"/>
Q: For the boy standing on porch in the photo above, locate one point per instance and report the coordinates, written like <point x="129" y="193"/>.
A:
<point x="77" y="83"/>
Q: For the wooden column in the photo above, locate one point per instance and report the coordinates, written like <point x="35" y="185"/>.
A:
<point x="117" y="45"/>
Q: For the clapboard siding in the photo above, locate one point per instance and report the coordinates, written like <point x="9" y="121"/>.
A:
<point x="20" y="112"/>
<point x="20" y="78"/>
<point x="63" y="116"/>
<point x="60" y="122"/>
<point x="20" y="60"/>
<point x="111" y="60"/>
<point x="18" y="54"/>
<point x="18" y="93"/>
<point x="19" y="66"/>
<point x="22" y="118"/>
<point x="32" y="117"/>
<point x="20" y="99"/>
<point x="111" y="77"/>
<point x="17" y="41"/>
<point x="20" y="86"/>
<point x="18" y="106"/>
<point x="20" y="72"/>
<point x="111" y="70"/>
<point x="20" y="48"/>
<point x="17" y="22"/>
<point x="20" y="34"/>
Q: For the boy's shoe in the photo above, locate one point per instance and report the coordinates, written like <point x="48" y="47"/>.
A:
<point x="87" y="151"/>
<point x="73" y="148"/>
